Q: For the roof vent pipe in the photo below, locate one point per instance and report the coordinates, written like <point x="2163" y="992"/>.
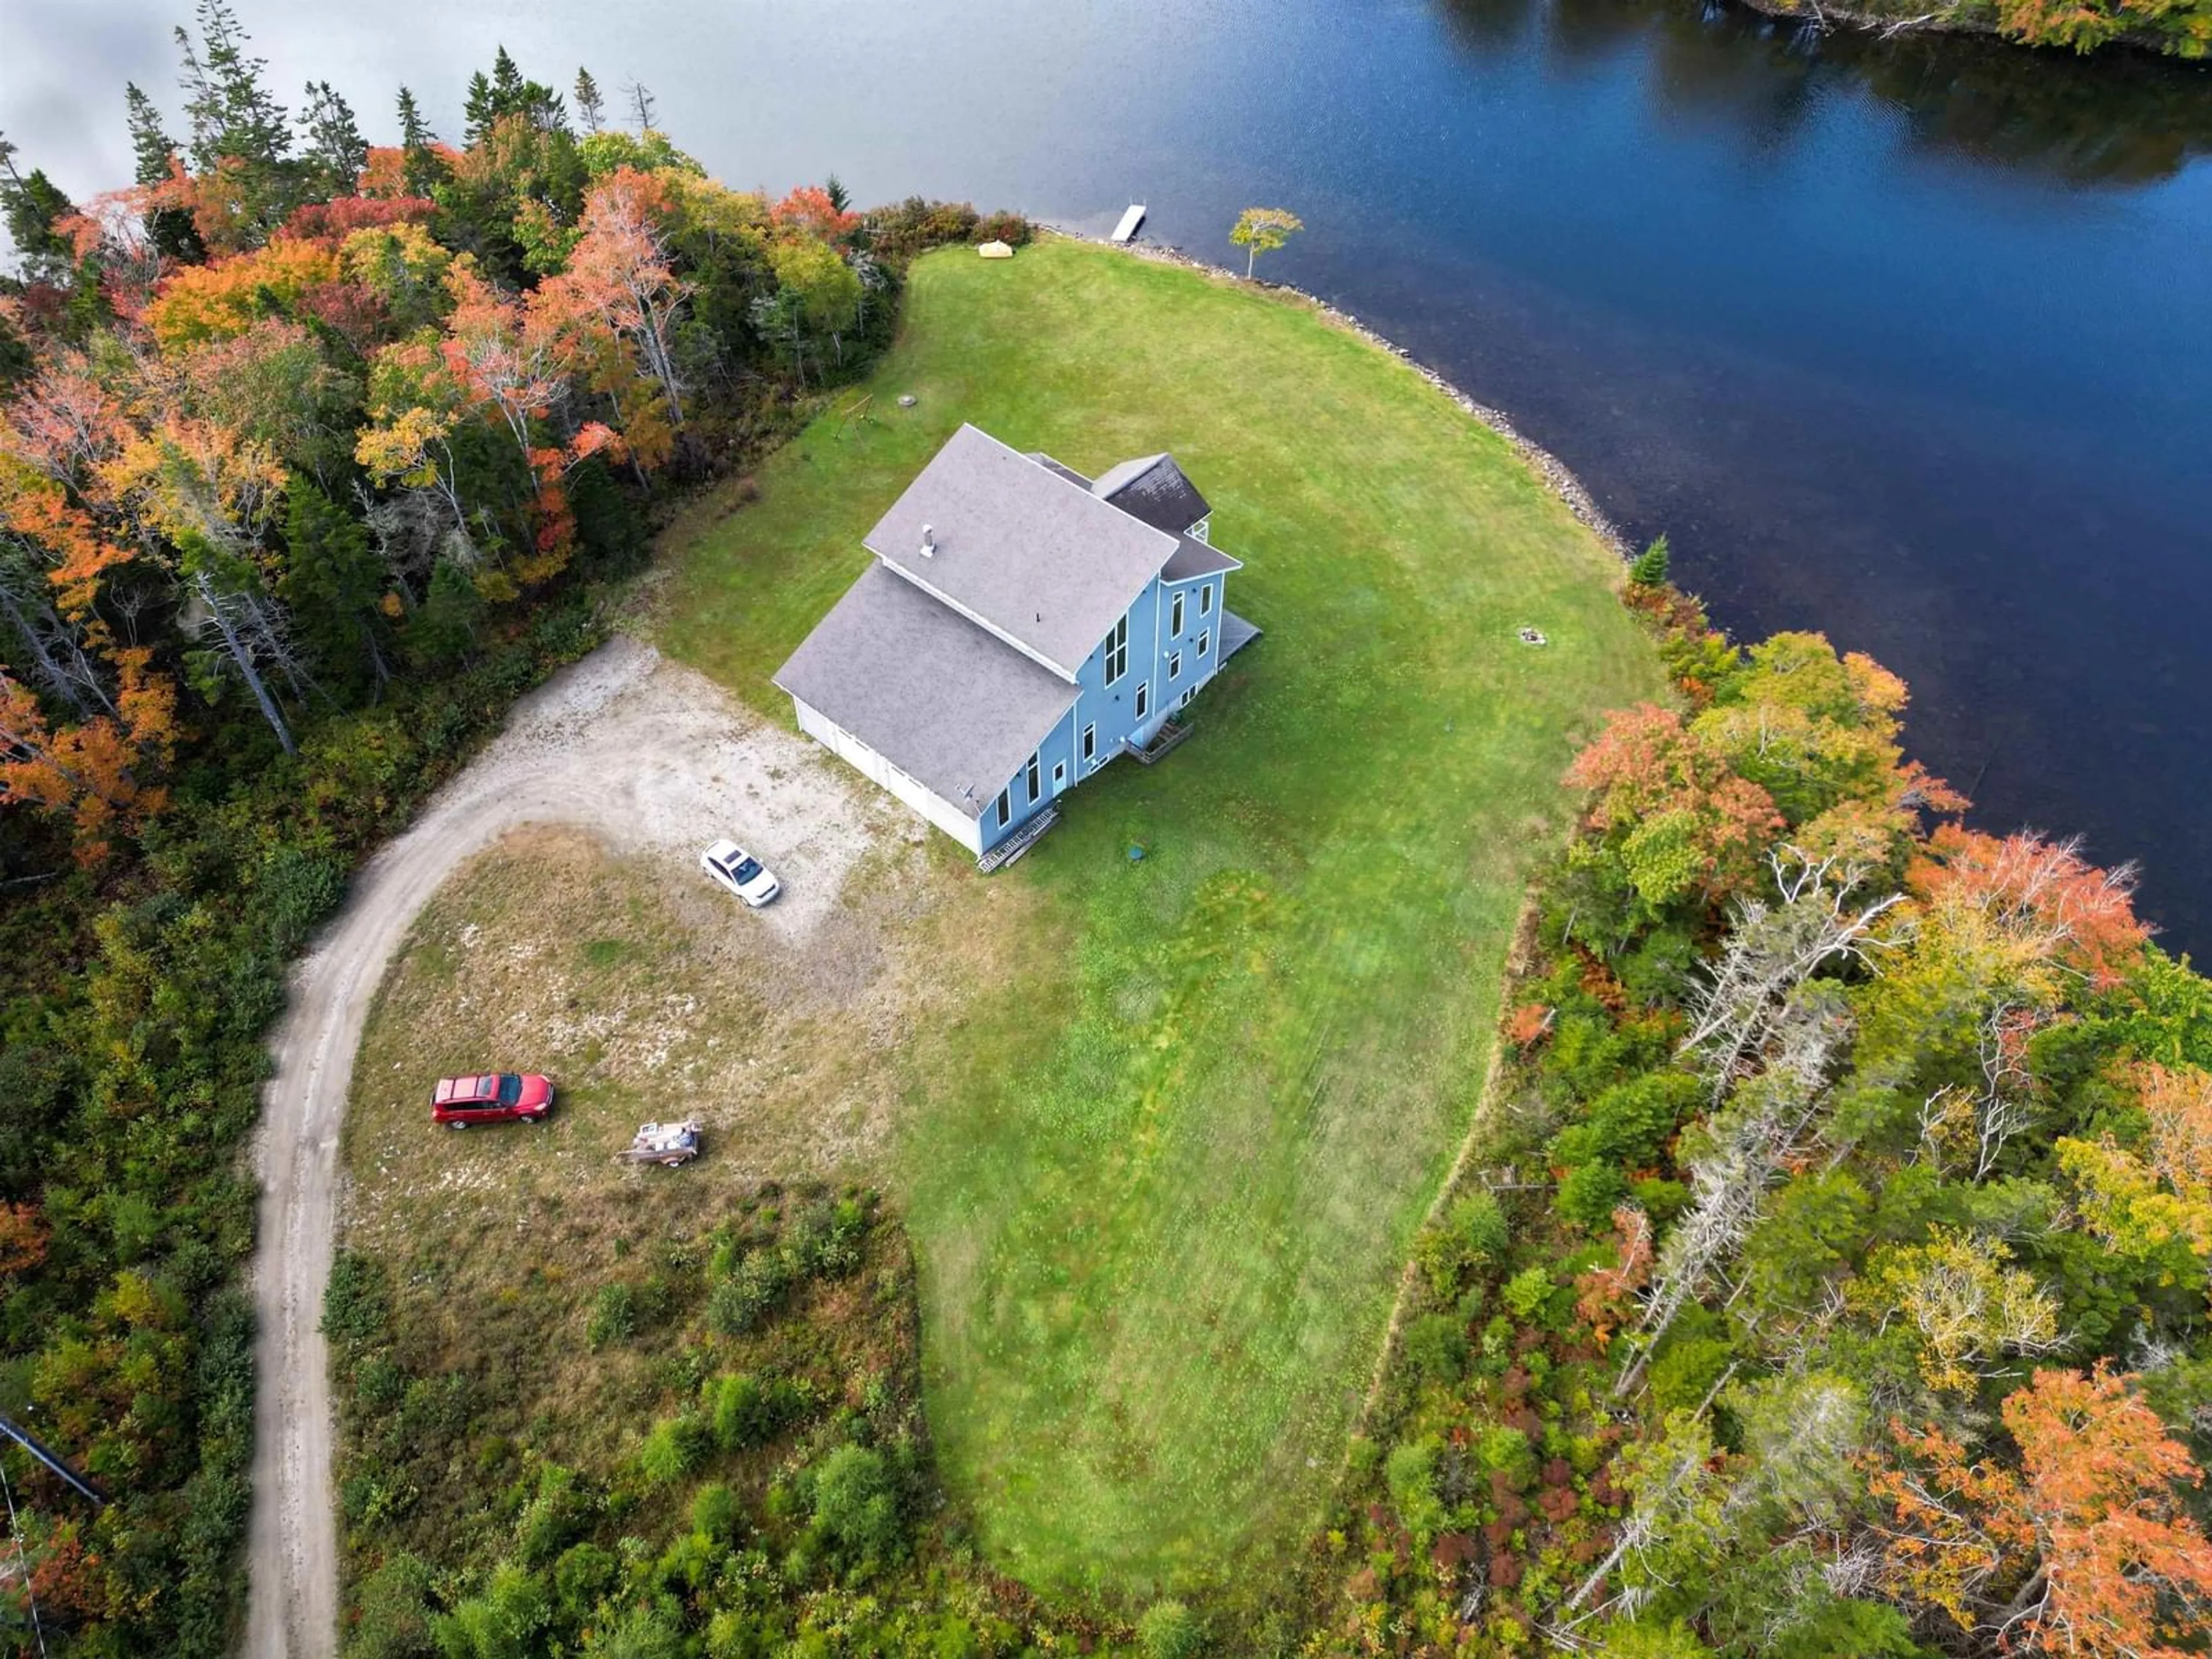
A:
<point x="928" y="542"/>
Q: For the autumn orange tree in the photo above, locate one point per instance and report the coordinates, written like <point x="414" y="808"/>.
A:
<point x="2085" y="1546"/>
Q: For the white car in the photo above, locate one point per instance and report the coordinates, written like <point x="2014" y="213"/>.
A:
<point x="733" y="867"/>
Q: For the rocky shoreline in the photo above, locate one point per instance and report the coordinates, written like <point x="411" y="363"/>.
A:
<point x="1557" y="476"/>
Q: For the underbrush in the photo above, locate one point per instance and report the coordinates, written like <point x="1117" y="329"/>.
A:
<point x="766" y="1484"/>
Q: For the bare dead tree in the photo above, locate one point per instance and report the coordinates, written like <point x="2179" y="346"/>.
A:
<point x="55" y="655"/>
<point x="1748" y="1144"/>
<point x="1770" y="952"/>
<point x="250" y="627"/>
<point x="2005" y="1107"/>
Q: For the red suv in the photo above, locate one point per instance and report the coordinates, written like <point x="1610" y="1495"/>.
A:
<point x="492" y="1097"/>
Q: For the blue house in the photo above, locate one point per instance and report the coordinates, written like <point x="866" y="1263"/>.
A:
<point x="1022" y="626"/>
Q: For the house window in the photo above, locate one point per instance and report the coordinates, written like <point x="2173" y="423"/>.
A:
<point x="1204" y="641"/>
<point x="1175" y="664"/>
<point x="1144" y="699"/>
<point x="1175" y="617"/>
<point x="1090" y="743"/>
<point x="1206" y="599"/>
<point x="1184" y="701"/>
<point x="1059" y="776"/>
<point x="1117" y="651"/>
<point x="1006" y="806"/>
<point x="1035" y="789"/>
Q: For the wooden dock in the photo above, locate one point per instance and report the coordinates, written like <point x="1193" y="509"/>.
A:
<point x="1126" y="230"/>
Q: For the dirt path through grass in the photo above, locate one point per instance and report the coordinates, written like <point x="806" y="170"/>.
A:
<point x="659" y="761"/>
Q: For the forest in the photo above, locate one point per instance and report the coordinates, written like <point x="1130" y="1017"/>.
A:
<point x="1832" y="1272"/>
<point x="314" y="453"/>
<point x="2179" y="28"/>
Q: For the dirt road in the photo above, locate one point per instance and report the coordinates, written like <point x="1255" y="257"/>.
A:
<point x="660" y="762"/>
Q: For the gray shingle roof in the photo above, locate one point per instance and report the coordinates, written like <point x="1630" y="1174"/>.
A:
<point x="1045" y="564"/>
<point x="1194" y="557"/>
<point x="941" y="699"/>
<point x="1153" y="489"/>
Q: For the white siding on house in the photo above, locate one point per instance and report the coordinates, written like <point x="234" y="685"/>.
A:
<point x="849" y="748"/>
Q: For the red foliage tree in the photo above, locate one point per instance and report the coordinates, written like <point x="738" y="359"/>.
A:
<point x="2041" y="891"/>
<point x="330" y="222"/>
<point x="809" y="210"/>
<point x="23" y="1235"/>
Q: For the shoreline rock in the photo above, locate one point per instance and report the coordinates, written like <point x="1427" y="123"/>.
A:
<point x="1555" y="475"/>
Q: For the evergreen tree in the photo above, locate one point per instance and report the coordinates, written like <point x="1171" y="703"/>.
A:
<point x="1649" y="569"/>
<point x="29" y="206"/>
<point x="443" y="628"/>
<point x="505" y="92"/>
<point x="423" y="169"/>
<point x="332" y="582"/>
<point x="335" y="151"/>
<point x="152" y="150"/>
<point x="640" y="104"/>
<point x="588" y="103"/>
<point x="150" y="144"/>
<point x="414" y="131"/>
<point x="236" y="119"/>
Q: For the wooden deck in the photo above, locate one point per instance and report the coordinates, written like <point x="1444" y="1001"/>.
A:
<point x="1162" y="740"/>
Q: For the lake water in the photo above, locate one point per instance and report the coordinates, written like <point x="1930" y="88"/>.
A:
<point x="1909" y="343"/>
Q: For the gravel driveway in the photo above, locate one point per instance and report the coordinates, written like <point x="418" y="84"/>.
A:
<point x="658" y="760"/>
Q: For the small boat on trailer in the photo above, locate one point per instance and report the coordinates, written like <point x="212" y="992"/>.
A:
<point x="670" y="1143"/>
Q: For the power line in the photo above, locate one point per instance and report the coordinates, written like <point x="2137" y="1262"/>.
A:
<point x="16" y="1529"/>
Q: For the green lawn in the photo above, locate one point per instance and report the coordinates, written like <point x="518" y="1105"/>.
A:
<point x="1162" y="1172"/>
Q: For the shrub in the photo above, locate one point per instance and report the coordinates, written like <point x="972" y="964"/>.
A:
<point x="357" y="1310"/>
<point x="1504" y="1451"/>
<point x="393" y="1616"/>
<point x="1169" y="1630"/>
<point x="715" y="1513"/>
<point x="614" y="1316"/>
<point x="1527" y="1292"/>
<point x="672" y="1451"/>
<point x="1589" y="1193"/>
<point x="1472" y="1234"/>
<point x="744" y="1299"/>
<point x="1010" y="229"/>
<point x="296" y="890"/>
<point x="556" y="1514"/>
<point x="1410" y="1476"/>
<point x="915" y="226"/>
<point x="748" y="1412"/>
<point x="377" y="1382"/>
<point x="1436" y="1347"/>
<point x="1685" y="1369"/>
<point x="583" y="1573"/>
<point x="856" y="1512"/>
<point x="1480" y="1224"/>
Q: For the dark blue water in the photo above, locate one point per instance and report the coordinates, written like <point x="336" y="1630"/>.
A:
<point x="1909" y="343"/>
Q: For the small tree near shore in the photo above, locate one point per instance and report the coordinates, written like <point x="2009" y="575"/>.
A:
<point x="1262" y="230"/>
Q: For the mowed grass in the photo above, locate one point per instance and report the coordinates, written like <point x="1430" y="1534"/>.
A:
<point x="1163" y="1168"/>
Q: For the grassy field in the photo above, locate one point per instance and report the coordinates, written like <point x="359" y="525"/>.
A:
<point x="1161" y="1168"/>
